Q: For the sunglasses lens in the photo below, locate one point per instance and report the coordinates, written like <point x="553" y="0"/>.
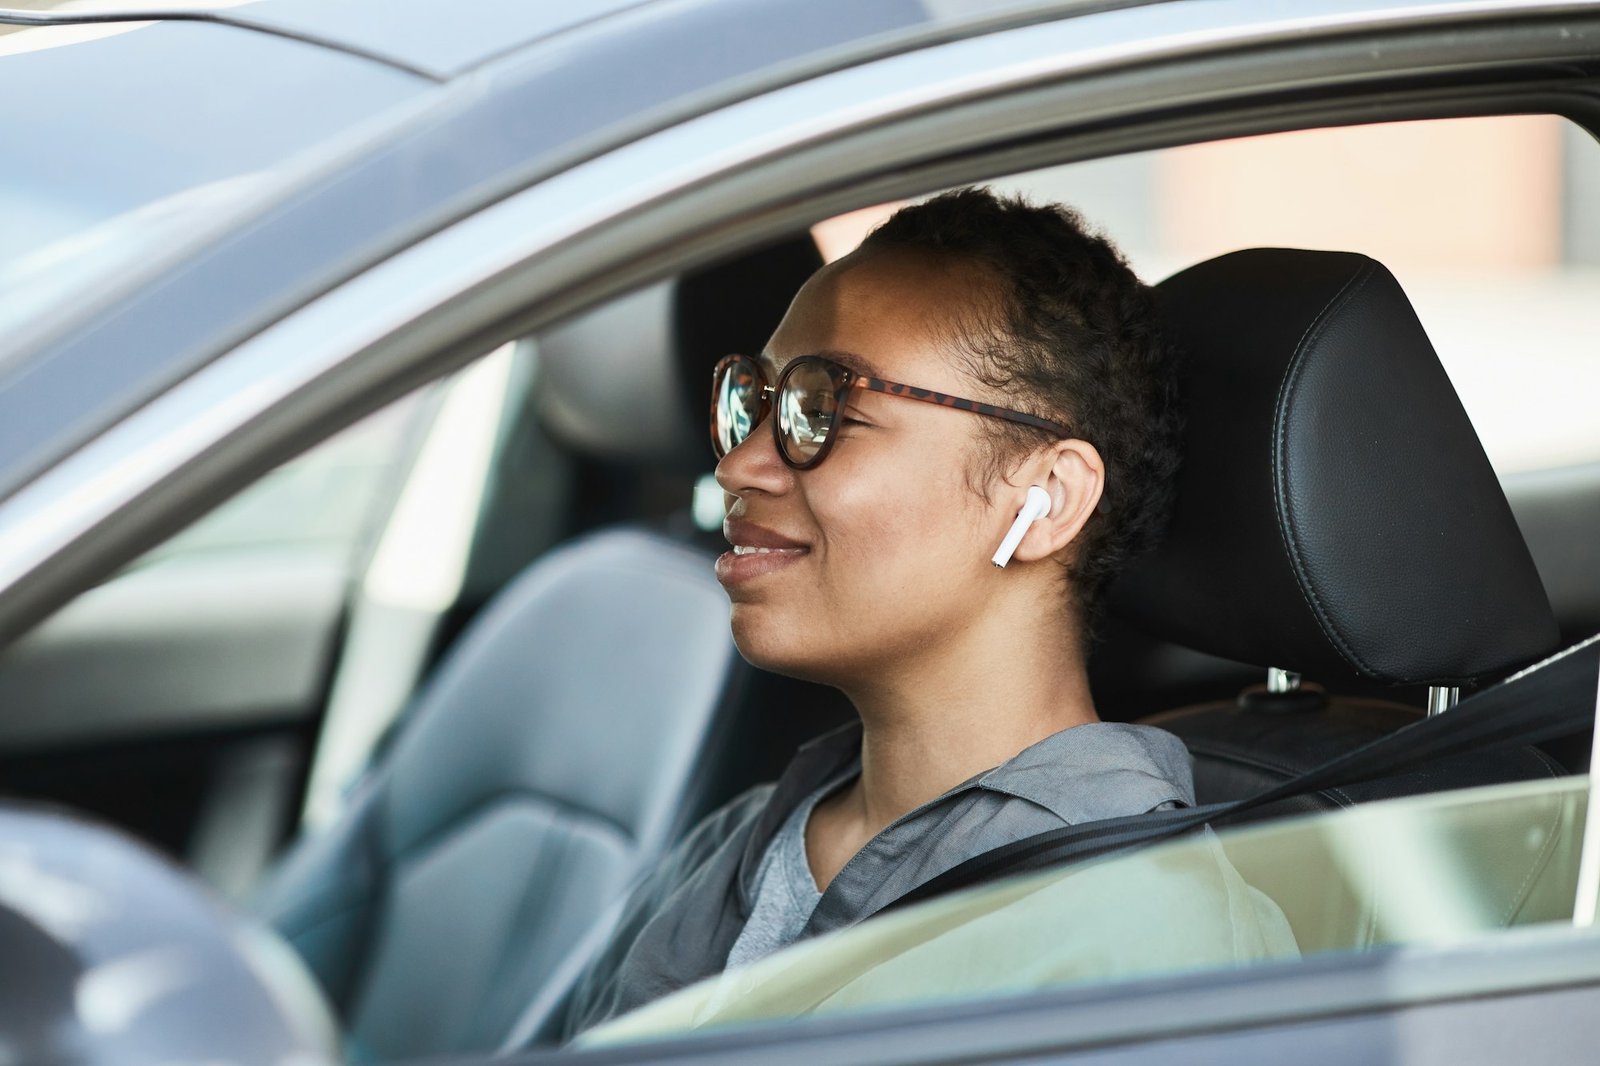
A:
<point x="807" y="405"/>
<point x="735" y="404"/>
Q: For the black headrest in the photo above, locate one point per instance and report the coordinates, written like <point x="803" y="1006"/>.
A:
<point x="1335" y="511"/>
<point x="631" y="380"/>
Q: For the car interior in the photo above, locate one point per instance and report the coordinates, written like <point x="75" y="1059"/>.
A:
<point x="1342" y="552"/>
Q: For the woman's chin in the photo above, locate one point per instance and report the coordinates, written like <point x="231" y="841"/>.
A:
<point x="759" y="638"/>
<point x="766" y="642"/>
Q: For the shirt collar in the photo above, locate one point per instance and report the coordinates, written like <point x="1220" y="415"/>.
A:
<point x="1097" y="770"/>
<point x="1080" y="774"/>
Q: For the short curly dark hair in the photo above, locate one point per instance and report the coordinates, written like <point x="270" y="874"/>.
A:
<point x="1069" y="332"/>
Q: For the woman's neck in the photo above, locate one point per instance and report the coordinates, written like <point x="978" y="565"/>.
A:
<point x="920" y="743"/>
<point x="910" y="760"/>
<point x="938" y="722"/>
<point x="948" y="709"/>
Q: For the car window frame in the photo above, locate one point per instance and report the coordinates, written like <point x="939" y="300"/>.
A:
<point x="580" y="237"/>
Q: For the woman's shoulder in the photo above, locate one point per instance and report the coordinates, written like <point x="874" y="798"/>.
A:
<point x="1099" y="770"/>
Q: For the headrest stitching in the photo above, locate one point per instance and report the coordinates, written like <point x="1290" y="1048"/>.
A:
<point x="1286" y="525"/>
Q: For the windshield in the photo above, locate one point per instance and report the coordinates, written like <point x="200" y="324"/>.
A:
<point x="1432" y="869"/>
<point x="138" y="134"/>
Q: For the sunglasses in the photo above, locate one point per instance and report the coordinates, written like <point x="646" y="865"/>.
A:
<point x="809" y="396"/>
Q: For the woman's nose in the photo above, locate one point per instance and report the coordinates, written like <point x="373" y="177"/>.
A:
<point x="754" y="465"/>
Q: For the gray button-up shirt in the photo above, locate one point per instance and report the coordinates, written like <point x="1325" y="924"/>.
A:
<point x="680" y="924"/>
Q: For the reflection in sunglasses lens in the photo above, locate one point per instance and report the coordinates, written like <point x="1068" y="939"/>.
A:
<point x="736" y="400"/>
<point x="805" y="410"/>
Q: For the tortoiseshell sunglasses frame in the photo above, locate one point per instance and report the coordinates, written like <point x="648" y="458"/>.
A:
<point x="848" y="379"/>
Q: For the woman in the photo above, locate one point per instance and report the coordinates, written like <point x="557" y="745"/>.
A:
<point x="940" y="562"/>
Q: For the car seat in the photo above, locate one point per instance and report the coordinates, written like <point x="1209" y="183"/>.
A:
<point x="589" y="713"/>
<point x="1336" y="517"/>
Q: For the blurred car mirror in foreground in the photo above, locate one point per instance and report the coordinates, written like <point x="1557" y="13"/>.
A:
<point x="111" y="954"/>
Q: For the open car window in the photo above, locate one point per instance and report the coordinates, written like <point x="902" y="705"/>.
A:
<point x="1433" y="869"/>
<point x="1482" y="223"/>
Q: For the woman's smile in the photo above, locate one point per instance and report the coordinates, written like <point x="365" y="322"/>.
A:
<point x="756" y="551"/>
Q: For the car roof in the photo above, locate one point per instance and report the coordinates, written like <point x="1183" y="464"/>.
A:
<point x="494" y="129"/>
<point x="421" y="37"/>
<point x="425" y="36"/>
<point x="442" y="42"/>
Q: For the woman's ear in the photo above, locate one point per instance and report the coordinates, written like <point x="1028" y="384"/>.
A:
<point x="1074" y="475"/>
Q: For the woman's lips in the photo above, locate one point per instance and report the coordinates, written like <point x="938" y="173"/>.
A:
<point x="756" y="551"/>
<point x="745" y="562"/>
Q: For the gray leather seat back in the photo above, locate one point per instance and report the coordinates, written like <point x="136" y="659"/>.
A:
<point x="543" y="768"/>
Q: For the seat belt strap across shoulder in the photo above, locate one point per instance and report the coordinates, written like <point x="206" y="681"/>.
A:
<point x="1552" y="698"/>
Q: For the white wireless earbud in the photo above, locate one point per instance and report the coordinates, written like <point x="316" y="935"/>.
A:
<point x="1034" y="508"/>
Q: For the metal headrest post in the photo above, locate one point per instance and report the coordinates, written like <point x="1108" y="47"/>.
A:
<point x="1282" y="680"/>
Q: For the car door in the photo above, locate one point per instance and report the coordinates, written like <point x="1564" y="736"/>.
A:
<point x="911" y="120"/>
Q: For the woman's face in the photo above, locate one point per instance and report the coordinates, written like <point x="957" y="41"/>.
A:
<point x="882" y="551"/>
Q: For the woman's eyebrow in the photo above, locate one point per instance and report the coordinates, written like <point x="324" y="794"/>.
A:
<point x="850" y="360"/>
<point x="859" y="363"/>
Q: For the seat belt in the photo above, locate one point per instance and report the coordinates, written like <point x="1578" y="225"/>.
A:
<point x="1552" y="698"/>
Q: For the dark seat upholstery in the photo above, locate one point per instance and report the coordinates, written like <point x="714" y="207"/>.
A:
<point x="591" y="711"/>
<point x="1249" y="744"/>
<point x="1336" y="517"/>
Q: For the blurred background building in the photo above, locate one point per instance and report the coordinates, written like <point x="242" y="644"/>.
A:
<point x="1492" y="226"/>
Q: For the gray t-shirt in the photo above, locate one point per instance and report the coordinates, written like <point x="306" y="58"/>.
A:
<point x="786" y="893"/>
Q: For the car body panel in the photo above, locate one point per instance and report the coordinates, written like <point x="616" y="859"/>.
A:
<point x="475" y="209"/>
<point x="268" y="100"/>
<point x="422" y="36"/>
<point x="480" y="138"/>
<point x="185" y="161"/>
